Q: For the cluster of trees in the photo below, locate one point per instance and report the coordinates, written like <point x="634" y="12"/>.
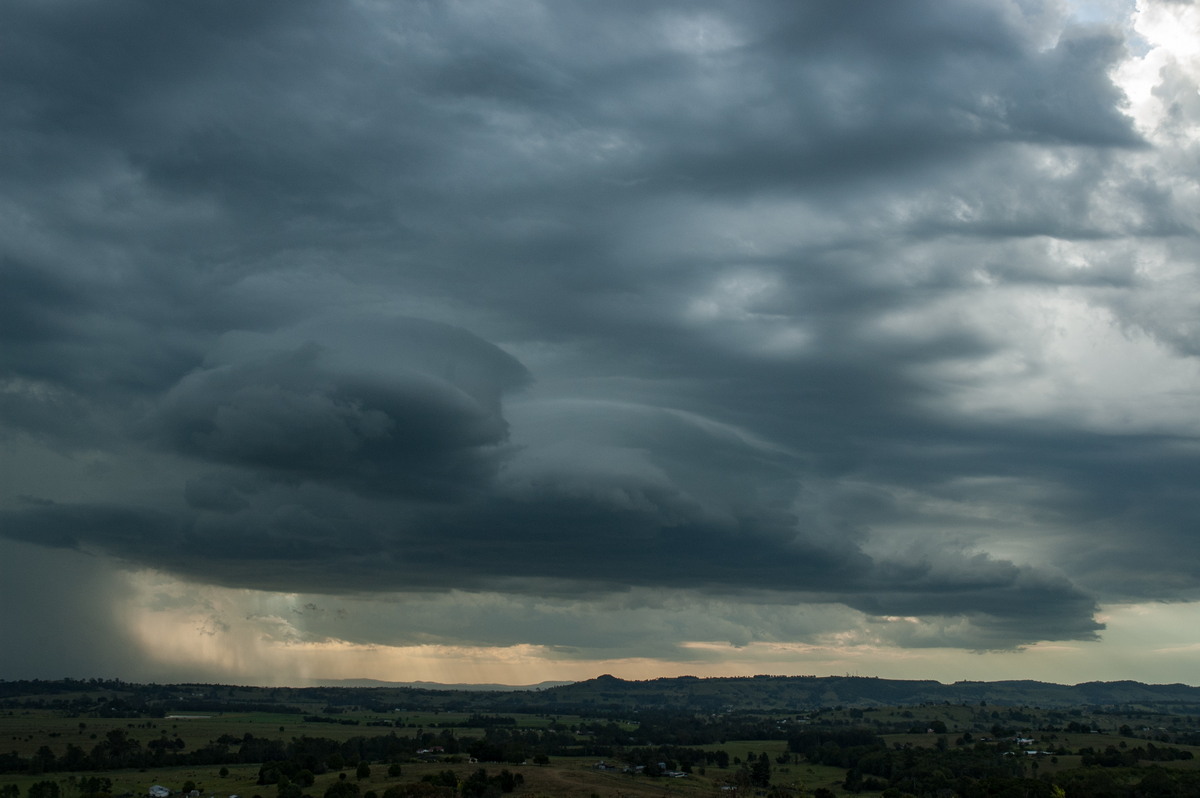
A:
<point x="323" y="719"/>
<point x="1113" y="756"/>
<point x="444" y="784"/>
<point x="674" y="757"/>
<point x="979" y="771"/>
<point x="1153" y="782"/>
<point x="305" y="758"/>
<point x="680" y="728"/>
<point x="118" y="750"/>
<point x="480" y="785"/>
<point x="477" y="721"/>
<point x="113" y="698"/>
<point x="42" y="687"/>
<point x="85" y="788"/>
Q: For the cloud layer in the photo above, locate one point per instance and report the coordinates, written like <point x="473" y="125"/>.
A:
<point x="865" y="311"/>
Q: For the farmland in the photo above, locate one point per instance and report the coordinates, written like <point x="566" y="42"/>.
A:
<point x="90" y="740"/>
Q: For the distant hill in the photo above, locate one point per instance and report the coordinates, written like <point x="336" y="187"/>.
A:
<point x="807" y="692"/>
<point x="492" y="688"/>
<point x="602" y="695"/>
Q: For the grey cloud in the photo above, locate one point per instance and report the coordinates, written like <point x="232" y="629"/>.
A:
<point x="421" y="418"/>
<point x="213" y="492"/>
<point x="1085" y="108"/>
<point x="627" y="510"/>
<point x="843" y="100"/>
<point x="636" y="623"/>
<point x="589" y="298"/>
<point x="70" y="526"/>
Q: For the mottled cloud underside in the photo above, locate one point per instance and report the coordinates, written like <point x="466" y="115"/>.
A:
<point x="888" y="307"/>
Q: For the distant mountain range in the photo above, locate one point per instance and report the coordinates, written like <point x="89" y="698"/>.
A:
<point x="603" y="695"/>
<point x="787" y="693"/>
<point x="474" y="688"/>
<point x="806" y="692"/>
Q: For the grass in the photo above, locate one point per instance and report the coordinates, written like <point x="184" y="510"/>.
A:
<point x="569" y="777"/>
<point x="25" y="731"/>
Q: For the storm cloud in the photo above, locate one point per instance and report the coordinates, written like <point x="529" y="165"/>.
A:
<point x="874" y="310"/>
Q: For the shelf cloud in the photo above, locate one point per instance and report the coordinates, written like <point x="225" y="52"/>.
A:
<point x="612" y="329"/>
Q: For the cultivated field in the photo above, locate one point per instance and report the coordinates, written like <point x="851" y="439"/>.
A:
<point x="1039" y="744"/>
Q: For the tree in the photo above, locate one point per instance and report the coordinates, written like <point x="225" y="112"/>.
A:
<point x="760" y="771"/>
<point x="73" y="759"/>
<point x="94" y="787"/>
<point x="285" y="789"/>
<point x="421" y="789"/>
<point x="445" y="778"/>
<point x="362" y="770"/>
<point x="480" y="785"/>
<point x="42" y="761"/>
<point x="342" y="789"/>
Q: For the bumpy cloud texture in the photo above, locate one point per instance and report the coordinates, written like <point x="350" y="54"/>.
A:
<point x="883" y="309"/>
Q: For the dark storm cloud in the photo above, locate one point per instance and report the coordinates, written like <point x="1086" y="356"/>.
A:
<point x="424" y="420"/>
<point x="578" y="299"/>
<point x="862" y="91"/>
<point x="600" y="515"/>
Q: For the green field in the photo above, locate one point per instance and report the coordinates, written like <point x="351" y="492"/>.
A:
<point x="25" y="732"/>
<point x="571" y="777"/>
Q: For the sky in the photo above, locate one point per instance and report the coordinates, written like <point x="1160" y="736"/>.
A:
<point x="513" y="341"/>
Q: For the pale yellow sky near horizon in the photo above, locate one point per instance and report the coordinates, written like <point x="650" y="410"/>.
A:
<point x="204" y="635"/>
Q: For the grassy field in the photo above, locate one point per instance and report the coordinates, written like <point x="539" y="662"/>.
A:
<point x="26" y="731"/>
<point x="568" y="777"/>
